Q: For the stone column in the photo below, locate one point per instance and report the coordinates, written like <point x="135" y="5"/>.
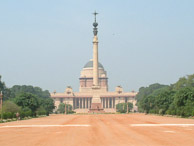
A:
<point x="111" y="102"/>
<point x="95" y="61"/>
<point x="115" y="102"/>
<point x="108" y="102"/>
<point x="79" y="102"/>
<point x="73" y="103"/>
<point x="88" y="102"/>
<point x="104" y="102"/>
<point x="84" y="102"/>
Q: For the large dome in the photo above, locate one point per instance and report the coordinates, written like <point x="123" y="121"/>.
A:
<point x="90" y="65"/>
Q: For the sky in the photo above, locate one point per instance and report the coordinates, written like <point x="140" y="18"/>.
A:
<point x="47" y="43"/>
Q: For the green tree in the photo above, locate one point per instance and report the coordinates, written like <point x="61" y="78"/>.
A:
<point x="184" y="101"/>
<point x="17" y="89"/>
<point x="183" y="82"/>
<point x="176" y="99"/>
<point x="27" y="100"/>
<point x="41" y="111"/>
<point x="48" y="105"/>
<point x="62" y="106"/>
<point x="5" y="90"/>
<point x="122" y="107"/>
<point x="145" y="92"/>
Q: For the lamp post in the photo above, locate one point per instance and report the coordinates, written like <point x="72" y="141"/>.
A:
<point x="1" y="95"/>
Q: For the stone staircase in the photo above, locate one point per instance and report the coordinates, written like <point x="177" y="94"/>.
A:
<point x="96" y="108"/>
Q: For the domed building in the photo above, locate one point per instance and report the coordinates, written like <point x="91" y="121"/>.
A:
<point x="86" y="78"/>
<point x="93" y="95"/>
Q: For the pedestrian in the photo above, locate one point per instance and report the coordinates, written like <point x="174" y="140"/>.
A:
<point x="17" y="116"/>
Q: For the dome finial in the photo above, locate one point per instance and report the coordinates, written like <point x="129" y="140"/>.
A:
<point x="95" y="24"/>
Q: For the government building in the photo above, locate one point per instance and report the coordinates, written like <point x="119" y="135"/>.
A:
<point x="93" y="95"/>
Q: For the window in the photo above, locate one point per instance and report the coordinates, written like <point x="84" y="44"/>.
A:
<point x="61" y="100"/>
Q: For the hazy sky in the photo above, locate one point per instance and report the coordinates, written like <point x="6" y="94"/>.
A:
<point x="46" y="43"/>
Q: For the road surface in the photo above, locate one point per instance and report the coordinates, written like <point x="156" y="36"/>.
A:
<point x="99" y="130"/>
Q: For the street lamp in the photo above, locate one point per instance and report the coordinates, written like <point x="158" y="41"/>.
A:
<point x="1" y="95"/>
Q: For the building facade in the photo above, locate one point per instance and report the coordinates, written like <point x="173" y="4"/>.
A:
<point x="93" y="95"/>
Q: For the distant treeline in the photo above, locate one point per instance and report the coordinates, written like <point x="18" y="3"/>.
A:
<point x="174" y="99"/>
<point x="25" y="100"/>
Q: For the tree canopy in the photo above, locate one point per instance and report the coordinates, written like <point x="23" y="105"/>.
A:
<point x="27" y="100"/>
<point x="17" y="89"/>
<point x="176" y="99"/>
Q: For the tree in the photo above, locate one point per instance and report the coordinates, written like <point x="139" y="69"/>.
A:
<point x="17" y="89"/>
<point x="62" y="107"/>
<point x="122" y="107"/>
<point x="183" y="82"/>
<point x="184" y="101"/>
<point x="5" y="90"/>
<point x="146" y="91"/>
<point x="2" y="84"/>
<point x="27" y="100"/>
<point x="176" y="99"/>
<point x="48" y="105"/>
<point x="146" y="95"/>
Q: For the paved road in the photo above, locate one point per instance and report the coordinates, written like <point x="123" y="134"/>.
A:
<point x="99" y="130"/>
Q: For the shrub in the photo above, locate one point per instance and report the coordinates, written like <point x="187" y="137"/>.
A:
<point x="22" y="114"/>
<point x="9" y="115"/>
<point x="4" y="115"/>
<point x="9" y="106"/>
<point x="71" y="112"/>
<point x="41" y="111"/>
<point x="25" y="112"/>
<point x="28" y="113"/>
<point x="161" y="111"/>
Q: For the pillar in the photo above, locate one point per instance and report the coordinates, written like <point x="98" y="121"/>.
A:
<point x="85" y="103"/>
<point x="88" y="102"/>
<point x="105" y="102"/>
<point x="82" y="102"/>
<point x="79" y="102"/>
<point x="95" y="61"/>
<point x="108" y="102"/>
<point x="111" y="102"/>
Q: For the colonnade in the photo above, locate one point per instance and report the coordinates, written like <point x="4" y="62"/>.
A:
<point x="82" y="103"/>
<point x="108" y="102"/>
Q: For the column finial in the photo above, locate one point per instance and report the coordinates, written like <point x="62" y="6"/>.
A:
<point x="95" y="13"/>
<point x="95" y="24"/>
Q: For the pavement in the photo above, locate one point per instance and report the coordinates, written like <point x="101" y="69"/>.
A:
<point x="99" y="130"/>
